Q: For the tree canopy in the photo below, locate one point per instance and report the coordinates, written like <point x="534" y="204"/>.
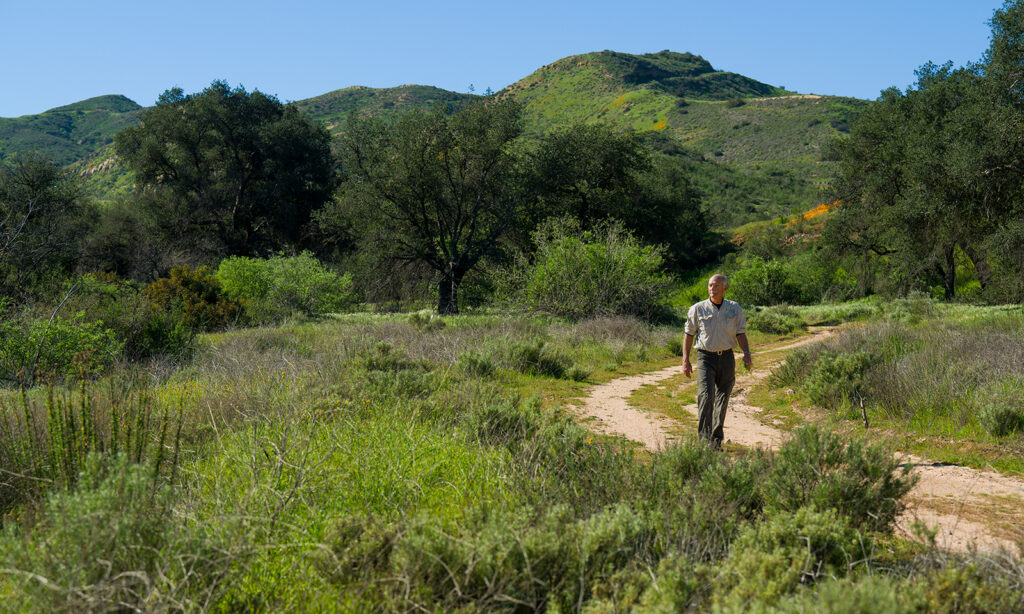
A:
<point x="928" y="177"/>
<point x="228" y="171"/>
<point x="437" y="188"/>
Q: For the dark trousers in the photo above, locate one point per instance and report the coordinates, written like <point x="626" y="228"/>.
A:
<point x="716" y="374"/>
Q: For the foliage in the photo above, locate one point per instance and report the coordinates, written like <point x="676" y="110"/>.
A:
<point x="46" y="444"/>
<point x="594" y="173"/>
<point x="274" y="288"/>
<point x="228" y="171"/>
<point x="820" y="469"/>
<point x="1001" y="406"/>
<point x="35" y="350"/>
<point x="778" y="320"/>
<point x="105" y="544"/>
<point x="601" y="272"/>
<point x="120" y="306"/>
<point x="761" y="282"/>
<point x="196" y="294"/>
<point x="435" y="188"/>
<point x="42" y="221"/>
<point x="771" y="559"/>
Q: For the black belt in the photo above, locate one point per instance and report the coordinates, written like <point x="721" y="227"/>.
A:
<point x="715" y="352"/>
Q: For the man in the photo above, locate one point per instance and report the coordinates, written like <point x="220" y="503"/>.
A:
<point x="718" y="325"/>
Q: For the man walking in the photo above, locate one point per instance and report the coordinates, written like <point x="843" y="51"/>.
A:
<point x="718" y="325"/>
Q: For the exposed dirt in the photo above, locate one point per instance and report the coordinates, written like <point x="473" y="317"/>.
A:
<point x="965" y="507"/>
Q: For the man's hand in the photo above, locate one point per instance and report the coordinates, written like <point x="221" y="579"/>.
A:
<point x="748" y="362"/>
<point x="687" y="368"/>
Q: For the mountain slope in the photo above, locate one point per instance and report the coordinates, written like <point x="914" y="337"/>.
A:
<point x="69" y="133"/>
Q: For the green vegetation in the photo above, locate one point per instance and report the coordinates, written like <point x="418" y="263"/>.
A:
<point x="227" y="172"/>
<point x="383" y="480"/>
<point x="69" y="133"/>
<point x="275" y="288"/>
<point x="583" y="274"/>
<point x="921" y="370"/>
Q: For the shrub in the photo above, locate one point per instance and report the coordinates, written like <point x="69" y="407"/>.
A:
<point x="503" y="557"/>
<point x="39" y="350"/>
<point x="674" y="346"/>
<point x="820" y="469"/>
<point x="838" y="379"/>
<point x="1001" y="406"/>
<point x="474" y="364"/>
<point x="761" y="282"/>
<point x="144" y="327"/>
<point x="195" y="294"/>
<point x="605" y="271"/>
<point x="278" y="287"/>
<point x="778" y="320"/>
<point x="97" y="544"/>
<point x="577" y="373"/>
<point x="536" y="359"/>
<point x="772" y="558"/>
<point x="426" y="321"/>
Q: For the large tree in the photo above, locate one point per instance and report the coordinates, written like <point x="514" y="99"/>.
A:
<point x="911" y="180"/>
<point x="435" y="188"/>
<point x="228" y="171"/>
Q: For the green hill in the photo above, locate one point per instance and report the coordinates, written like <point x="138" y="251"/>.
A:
<point x="70" y="133"/>
<point x="754" y="150"/>
<point x="333" y="107"/>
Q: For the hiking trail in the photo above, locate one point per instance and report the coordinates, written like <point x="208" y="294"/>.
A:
<point x="966" y="507"/>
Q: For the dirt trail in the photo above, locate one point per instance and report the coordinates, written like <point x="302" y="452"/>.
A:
<point x="964" y="506"/>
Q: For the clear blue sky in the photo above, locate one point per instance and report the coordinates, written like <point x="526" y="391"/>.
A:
<point x="58" y="52"/>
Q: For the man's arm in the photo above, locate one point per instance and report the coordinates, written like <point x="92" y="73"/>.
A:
<point x="747" y="360"/>
<point x="687" y="344"/>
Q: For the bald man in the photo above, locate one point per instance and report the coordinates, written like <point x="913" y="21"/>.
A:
<point x="714" y="327"/>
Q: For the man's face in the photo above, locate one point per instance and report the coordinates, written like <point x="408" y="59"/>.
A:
<point x="716" y="288"/>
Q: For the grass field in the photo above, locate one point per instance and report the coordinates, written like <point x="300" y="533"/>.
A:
<point x="399" y="463"/>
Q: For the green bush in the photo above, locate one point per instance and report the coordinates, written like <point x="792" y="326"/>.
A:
<point x="778" y="320"/>
<point x="772" y="558"/>
<point x="475" y="364"/>
<point x="279" y="287"/>
<point x="33" y="351"/>
<point x="145" y="328"/>
<point x="97" y="544"/>
<point x="506" y="558"/>
<point x="577" y="373"/>
<point x="535" y="358"/>
<point x="761" y="282"/>
<point x="838" y="379"/>
<point x="581" y="274"/>
<point x="1001" y="406"/>
<point x="196" y="295"/>
<point x="820" y="469"/>
<point x="674" y="346"/>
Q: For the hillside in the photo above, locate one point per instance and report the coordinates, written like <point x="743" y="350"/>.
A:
<point x="754" y="150"/>
<point x="333" y="107"/>
<point x="722" y="115"/>
<point x="69" y="133"/>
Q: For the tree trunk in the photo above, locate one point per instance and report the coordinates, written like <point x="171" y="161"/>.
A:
<point x="448" y="292"/>
<point x="949" y="275"/>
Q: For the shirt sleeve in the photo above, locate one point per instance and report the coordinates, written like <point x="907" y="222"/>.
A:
<point x="691" y="321"/>
<point x="741" y="322"/>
